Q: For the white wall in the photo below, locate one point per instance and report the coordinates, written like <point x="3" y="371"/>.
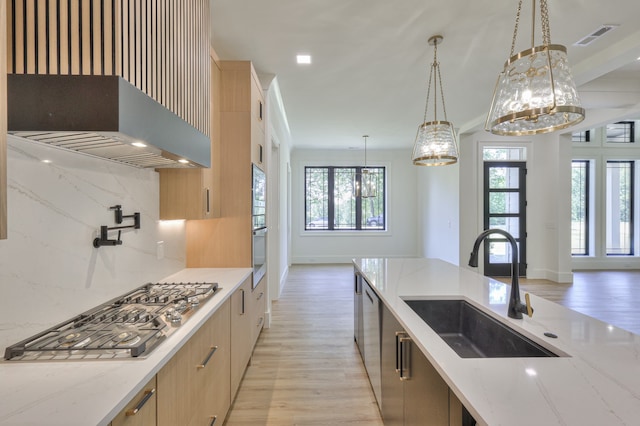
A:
<point x="439" y="211"/>
<point x="49" y="270"/>
<point x="401" y="238"/>
<point x="548" y="193"/>
<point x="278" y="142"/>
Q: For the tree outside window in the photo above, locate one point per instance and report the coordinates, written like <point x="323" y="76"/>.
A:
<point x="333" y="201"/>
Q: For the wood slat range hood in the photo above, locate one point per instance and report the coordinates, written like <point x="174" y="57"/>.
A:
<point x="96" y="76"/>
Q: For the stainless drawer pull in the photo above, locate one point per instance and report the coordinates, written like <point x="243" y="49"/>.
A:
<point x="147" y="395"/>
<point x="208" y="202"/>
<point x="260" y="321"/>
<point x="405" y="358"/>
<point x="206" y="360"/>
<point x="213" y="420"/>
<point x="369" y="296"/>
<point x="260" y="296"/>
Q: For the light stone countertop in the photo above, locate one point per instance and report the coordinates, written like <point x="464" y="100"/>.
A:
<point x="598" y="383"/>
<point x="93" y="392"/>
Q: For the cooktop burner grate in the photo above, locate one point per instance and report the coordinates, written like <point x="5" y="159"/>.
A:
<point x="128" y="326"/>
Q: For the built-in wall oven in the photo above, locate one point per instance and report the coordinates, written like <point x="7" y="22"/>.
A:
<point x="259" y="223"/>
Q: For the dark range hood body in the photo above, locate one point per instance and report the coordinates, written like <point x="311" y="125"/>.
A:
<point x="101" y="116"/>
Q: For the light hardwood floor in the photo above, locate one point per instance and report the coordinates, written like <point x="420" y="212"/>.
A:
<point x="610" y="296"/>
<point x="306" y="369"/>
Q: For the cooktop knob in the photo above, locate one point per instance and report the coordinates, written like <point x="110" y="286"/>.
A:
<point x="176" y="318"/>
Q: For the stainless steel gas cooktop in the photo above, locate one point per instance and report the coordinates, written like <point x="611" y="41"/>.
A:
<point x="131" y="325"/>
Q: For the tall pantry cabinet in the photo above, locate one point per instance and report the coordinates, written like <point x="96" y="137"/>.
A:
<point x="226" y="241"/>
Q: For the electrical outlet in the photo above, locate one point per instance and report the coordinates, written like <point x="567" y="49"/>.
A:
<point x="160" y="250"/>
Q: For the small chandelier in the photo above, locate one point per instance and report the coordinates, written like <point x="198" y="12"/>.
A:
<point x="535" y="92"/>
<point x="368" y="177"/>
<point x="435" y="143"/>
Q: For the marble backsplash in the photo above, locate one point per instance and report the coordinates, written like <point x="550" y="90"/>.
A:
<point x="49" y="269"/>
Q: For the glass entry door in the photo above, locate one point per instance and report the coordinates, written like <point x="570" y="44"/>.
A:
<point x="504" y="208"/>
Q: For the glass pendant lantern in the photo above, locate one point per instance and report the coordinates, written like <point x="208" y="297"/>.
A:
<point x="436" y="142"/>
<point x="535" y="92"/>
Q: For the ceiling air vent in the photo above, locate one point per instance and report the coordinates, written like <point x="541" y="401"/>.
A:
<point x="587" y="40"/>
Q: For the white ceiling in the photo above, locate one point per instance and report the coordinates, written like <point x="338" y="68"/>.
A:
<point x="370" y="60"/>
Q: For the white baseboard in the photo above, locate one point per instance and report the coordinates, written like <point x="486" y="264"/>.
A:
<point x="555" y="276"/>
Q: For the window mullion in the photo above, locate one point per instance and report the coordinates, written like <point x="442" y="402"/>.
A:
<point x="332" y="205"/>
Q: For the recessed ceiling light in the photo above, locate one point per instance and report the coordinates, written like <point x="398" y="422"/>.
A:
<point x="183" y="161"/>
<point x="46" y="161"/>
<point x="303" y="59"/>
<point x="139" y="144"/>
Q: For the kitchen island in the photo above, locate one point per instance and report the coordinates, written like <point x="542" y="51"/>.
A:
<point x="93" y="392"/>
<point x="595" y="380"/>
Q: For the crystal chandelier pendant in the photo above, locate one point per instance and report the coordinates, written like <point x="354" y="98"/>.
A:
<point x="436" y="141"/>
<point x="368" y="189"/>
<point x="535" y="93"/>
<point x="435" y="144"/>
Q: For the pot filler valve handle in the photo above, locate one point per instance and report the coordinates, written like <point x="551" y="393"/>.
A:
<point x="103" y="239"/>
<point x="528" y="304"/>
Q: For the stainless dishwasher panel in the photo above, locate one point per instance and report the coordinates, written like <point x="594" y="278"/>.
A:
<point x="371" y="321"/>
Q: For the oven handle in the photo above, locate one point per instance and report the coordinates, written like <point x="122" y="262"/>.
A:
<point x="206" y="360"/>
<point x="147" y="395"/>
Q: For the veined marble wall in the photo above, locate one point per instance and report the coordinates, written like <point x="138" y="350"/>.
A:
<point x="49" y="269"/>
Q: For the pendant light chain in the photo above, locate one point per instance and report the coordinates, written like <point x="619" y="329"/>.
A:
<point x="365" y="150"/>
<point x="435" y="81"/>
<point x="546" y="28"/>
<point x="444" y="108"/>
<point x="426" y="105"/>
<point x="436" y="78"/>
<point x="515" y="30"/>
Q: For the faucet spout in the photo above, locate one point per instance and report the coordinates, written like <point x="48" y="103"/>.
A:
<point x="516" y="307"/>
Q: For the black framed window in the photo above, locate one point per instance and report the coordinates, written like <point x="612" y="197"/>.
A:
<point x="333" y="201"/>
<point x="580" y="207"/>
<point x="581" y="136"/>
<point x="619" y="207"/>
<point x="621" y="132"/>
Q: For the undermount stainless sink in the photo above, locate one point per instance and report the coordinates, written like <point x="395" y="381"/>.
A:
<point x="472" y="333"/>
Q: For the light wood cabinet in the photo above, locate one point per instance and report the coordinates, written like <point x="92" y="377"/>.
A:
<point x="241" y="336"/>
<point x="195" y="193"/>
<point x="141" y="411"/>
<point x="258" y="308"/>
<point x="258" y="154"/>
<point x="226" y="241"/>
<point x="212" y="373"/>
<point x="193" y="385"/>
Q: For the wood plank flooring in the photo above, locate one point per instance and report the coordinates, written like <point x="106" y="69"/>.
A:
<point x="306" y="369"/>
<point x="610" y="296"/>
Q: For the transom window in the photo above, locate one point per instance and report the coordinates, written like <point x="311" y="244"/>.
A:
<point x="333" y="200"/>
<point x="621" y="132"/>
<point x="581" y="136"/>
